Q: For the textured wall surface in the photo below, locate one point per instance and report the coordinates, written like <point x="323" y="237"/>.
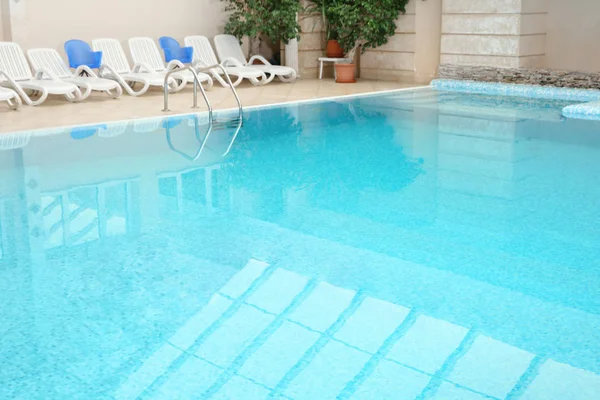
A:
<point x="502" y="33"/>
<point x="396" y="59"/>
<point x="544" y="77"/>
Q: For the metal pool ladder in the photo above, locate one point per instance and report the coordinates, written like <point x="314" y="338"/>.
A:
<point x="210" y="109"/>
<point x="197" y="83"/>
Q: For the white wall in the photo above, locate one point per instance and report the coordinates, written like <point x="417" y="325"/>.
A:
<point x="573" y="31"/>
<point x="49" y="23"/>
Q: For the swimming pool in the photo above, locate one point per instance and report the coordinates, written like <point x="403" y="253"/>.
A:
<point x="408" y="245"/>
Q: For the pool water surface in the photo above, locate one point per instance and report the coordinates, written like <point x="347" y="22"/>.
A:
<point x="409" y="245"/>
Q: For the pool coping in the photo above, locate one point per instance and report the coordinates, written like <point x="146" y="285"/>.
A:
<point x="62" y="128"/>
<point x="588" y="109"/>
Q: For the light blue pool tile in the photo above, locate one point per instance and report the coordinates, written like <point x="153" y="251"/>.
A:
<point x="448" y="391"/>
<point x="328" y="373"/>
<point x="279" y="354"/>
<point x="55" y="384"/>
<point x="556" y="381"/>
<point x="11" y="379"/>
<point x="238" y="388"/>
<point x="278" y="291"/>
<point x="241" y="281"/>
<point x="373" y="321"/>
<point x="323" y="306"/>
<point x="154" y="367"/>
<point x="490" y="367"/>
<point x="427" y="344"/>
<point x="390" y="381"/>
<point x="189" y="381"/>
<point x="236" y="333"/>
<point x="187" y="335"/>
<point x="521" y="90"/>
<point x="589" y="111"/>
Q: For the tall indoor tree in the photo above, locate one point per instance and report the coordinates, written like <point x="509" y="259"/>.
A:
<point x="275" y="19"/>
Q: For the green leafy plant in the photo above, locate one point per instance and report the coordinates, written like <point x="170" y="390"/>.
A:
<point x="275" y="19"/>
<point x="324" y="9"/>
<point x="365" y="23"/>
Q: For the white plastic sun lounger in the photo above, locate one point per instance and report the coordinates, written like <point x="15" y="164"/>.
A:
<point x="116" y="67"/>
<point x="204" y="56"/>
<point x="144" y="51"/>
<point x="17" y="76"/>
<point x="9" y="96"/>
<point x="50" y="60"/>
<point x="230" y="51"/>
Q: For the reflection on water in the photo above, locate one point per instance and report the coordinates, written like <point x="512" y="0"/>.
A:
<point x="411" y="246"/>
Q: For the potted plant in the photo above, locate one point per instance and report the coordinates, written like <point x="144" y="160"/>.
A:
<point x="363" y="23"/>
<point x="324" y="8"/>
<point x="275" y="20"/>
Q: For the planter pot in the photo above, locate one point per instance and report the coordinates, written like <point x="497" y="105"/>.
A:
<point x="334" y="49"/>
<point x="345" y="73"/>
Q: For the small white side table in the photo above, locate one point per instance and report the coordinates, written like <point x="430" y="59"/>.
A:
<point x="331" y="60"/>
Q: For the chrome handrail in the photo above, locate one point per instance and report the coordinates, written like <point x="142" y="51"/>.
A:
<point x="196" y="84"/>
<point x="240" y="109"/>
<point x="195" y="103"/>
<point x="234" y="137"/>
<point x="237" y="98"/>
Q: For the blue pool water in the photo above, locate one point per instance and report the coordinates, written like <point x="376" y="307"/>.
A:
<point x="410" y="245"/>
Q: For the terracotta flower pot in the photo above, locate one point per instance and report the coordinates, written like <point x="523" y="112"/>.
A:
<point x="334" y="50"/>
<point x="345" y="73"/>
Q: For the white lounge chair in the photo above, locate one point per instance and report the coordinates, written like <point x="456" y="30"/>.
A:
<point x="229" y="50"/>
<point x="9" y="96"/>
<point x="17" y="75"/>
<point x="50" y="60"/>
<point x="204" y="56"/>
<point x="144" y="51"/>
<point x="116" y="67"/>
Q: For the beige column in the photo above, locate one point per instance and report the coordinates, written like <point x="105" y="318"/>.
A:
<point x="428" y="28"/>
<point x="507" y="33"/>
<point x="311" y="45"/>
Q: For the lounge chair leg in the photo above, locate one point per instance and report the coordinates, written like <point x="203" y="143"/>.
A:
<point x="288" y="78"/>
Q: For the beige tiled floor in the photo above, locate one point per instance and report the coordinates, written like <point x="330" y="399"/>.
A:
<point x="100" y="108"/>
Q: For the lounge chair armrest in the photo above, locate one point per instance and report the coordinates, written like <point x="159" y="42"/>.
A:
<point x="259" y="58"/>
<point x="142" y="67"/>
<point x="174" y="64"/>
<point x="199" y="64"/>
<point x="106" y="69"/>
<point x="39" y="74"/>
<point x="231" y="62"/>
<point x="86" y="69"/>
<point x="17" y="88"/>
<point x="10" y="80"/>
